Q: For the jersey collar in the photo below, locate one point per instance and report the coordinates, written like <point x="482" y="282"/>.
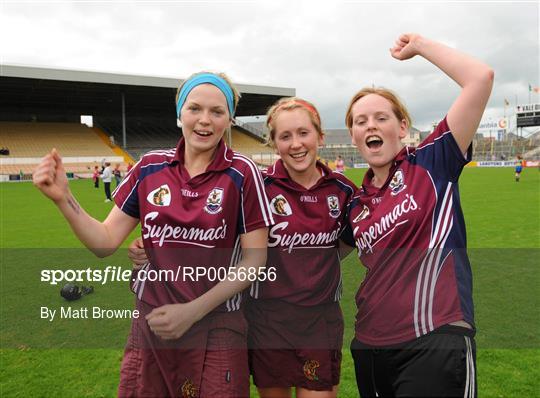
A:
<point x="278" y="171"/>
<point x="368" y="186"/>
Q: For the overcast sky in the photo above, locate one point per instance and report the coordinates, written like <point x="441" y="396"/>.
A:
<point x="325" y="50"/>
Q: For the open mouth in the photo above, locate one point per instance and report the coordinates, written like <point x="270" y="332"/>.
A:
<point x="374" y="142"/>
<point x="202" y="133"/>
<point x="300" y="155"/>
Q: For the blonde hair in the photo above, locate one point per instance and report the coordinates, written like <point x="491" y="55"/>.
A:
<point x="236" y="94"/>
<point x="399" y="109"/>
<point x="288" y="104"/>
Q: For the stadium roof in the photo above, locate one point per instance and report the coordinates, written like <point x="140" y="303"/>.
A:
<point x="36" y="92"/>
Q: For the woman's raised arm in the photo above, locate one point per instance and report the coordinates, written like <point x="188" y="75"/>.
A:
<point x="473" y="76"/>
<point x="102" y="238"/>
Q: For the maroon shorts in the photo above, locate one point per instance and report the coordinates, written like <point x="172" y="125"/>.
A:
<point x="209" y="360"/>
<point x="295" y="346"/>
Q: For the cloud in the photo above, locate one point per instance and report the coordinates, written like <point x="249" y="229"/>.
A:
<point x="326" y="51"/>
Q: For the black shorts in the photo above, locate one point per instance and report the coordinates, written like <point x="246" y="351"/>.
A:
<point x="439" y="364"/>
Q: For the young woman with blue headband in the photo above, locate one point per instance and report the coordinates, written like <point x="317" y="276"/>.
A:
<point x="200" y="204"/>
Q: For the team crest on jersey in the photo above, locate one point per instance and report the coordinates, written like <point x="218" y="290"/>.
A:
<point x="214" y="200"/>
<point x="333" y="206"/>
<point x="310" y="369"/>
<point x="280" y="206"/>
<point x="363" y="214"/>
<point x="398" y="182"/>
<point x="160" y="196"/>
<point x="189" y="390"/>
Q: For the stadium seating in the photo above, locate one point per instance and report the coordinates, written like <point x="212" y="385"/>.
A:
<point x="252" y="147"/>
<point x="142" y="134"/>
<point x="29" y="140"/>
<point x="489" y="149"/>
<point x="77" y="168"/>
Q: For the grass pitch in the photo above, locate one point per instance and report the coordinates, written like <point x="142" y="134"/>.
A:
<point x="82" y="357"/>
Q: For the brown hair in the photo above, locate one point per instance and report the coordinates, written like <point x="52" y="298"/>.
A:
<point x="288" y="104"/>
<point x="399" y="109"/>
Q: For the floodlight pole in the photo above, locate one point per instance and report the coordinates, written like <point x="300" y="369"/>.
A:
<point x="124" y="142"/>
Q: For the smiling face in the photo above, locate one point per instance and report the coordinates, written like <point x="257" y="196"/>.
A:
<point x="376" y="131"/>
<point x="204" y="118"/>
<point x="296" y="141"/>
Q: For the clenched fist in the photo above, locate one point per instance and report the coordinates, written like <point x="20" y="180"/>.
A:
<point x="50" y="177"/>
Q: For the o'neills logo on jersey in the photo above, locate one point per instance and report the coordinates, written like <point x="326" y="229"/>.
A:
<point x="371" y="236"/>
<point x="309" y="198"/>
<point x="398" y="182"/>
<point x="333" y="206"/>
<point x="166" y="233"/>
<point x="280" y="206"/>
<point x="307" y="240"/>
<point x="189" y="194"/>
<point x="160" y="196"/>
<point x="214" y="200"/>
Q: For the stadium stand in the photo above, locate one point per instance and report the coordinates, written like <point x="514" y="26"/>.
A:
<point x="252" y="146"/>
<point x="255" y="128"/>
<point x="81" y="147"/>
<point x="40" y="108"/>
<point x="143" y="134"/>
<point x="131" y="115"/>
<point x="490" y="149"/>
<point x="338" y="142"/>
<point x="36" y="139"/>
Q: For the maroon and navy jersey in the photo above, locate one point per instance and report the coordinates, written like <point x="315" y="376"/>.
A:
<point x="410" y="235"/>
<point x="192" y="222"/>
<point x="303" y="242"/>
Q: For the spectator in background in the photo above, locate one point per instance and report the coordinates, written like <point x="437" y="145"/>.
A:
<point x="129" y="167"/>
<point x="340" y="165"/>
<point x="95" y="177"/>
<point x="106" y="176"/>
<point x="117" y="174"/>
<point x="519" y="167"/>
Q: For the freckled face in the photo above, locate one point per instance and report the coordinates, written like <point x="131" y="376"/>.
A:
<point x="296" y="141"/>
<point x="376" y="131"/>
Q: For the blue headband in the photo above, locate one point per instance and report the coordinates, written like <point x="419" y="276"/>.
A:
<point x="205" y="78"/>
